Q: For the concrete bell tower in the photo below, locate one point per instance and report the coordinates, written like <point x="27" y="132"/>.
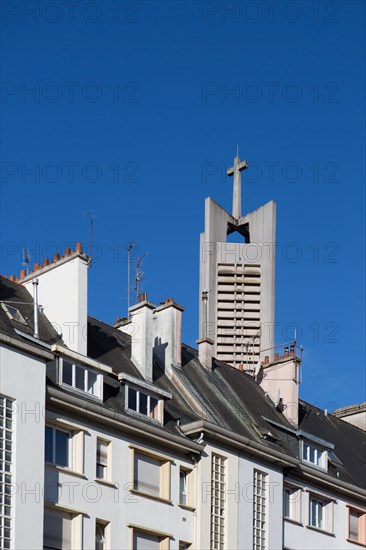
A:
<point x="237" y="280"/>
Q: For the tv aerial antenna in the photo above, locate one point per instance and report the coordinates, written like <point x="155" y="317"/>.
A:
<point x="26" y="258"/>
<point x="139" y="274"/>
<point x="90" y="214"/>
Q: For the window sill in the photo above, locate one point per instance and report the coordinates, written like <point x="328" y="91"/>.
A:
<point x="186" y="507"/>
<point x="106" y="483"/>
<point x="294" y="521"/>
<point x="315" y="466"/>
<point x="65" y="470"/>
<point x="152" y="497"/>
<point x="358" y="542"/>
<point x="320" y="530"/>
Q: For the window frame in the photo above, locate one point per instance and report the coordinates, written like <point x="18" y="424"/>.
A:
<point x="76" y="527"/>
<point x="327" y="523"/>
<point x="86" y="370"/>
<point x="164" y="474"/>
<point x="306" y="447"/>
<point x="361" y="534"/>
<point x="159" y="405"/>
<point x="260" y="509"/>
<point x="105" y="526"/>
<point x="107" y="466"/>
<point x="7" y="309"/>
<point x="7" y="440"/>
<point x="164" y="543"/>
<point x="53" y="462"/>
<point x="188" y="474"/>
<point x="294" y="502"/>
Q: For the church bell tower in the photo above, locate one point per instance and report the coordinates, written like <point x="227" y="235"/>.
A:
<point x="237" y="279"/>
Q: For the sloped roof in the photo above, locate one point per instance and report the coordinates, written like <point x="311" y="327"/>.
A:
<point x="17" y="296"/>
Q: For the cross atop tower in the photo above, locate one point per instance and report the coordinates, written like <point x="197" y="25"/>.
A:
<point x="236" y="172"/>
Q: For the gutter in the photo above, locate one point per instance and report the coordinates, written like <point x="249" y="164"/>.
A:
<point x="333" y="483"/>
<point x="121" y="422"/>
<point x="240" y="442"/>
<point x="26" y="348"/>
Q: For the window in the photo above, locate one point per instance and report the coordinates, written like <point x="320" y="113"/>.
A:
<point x="183" y="487"/>
<point x="321" y="513"/>
<point x="14" y="314"/>
<point x="292" y="503"/>
<point x="80" y="378"/>
<point x="317" y="513"/>
<point x="100" y="535"/>
<point x="143" y="540"/>
<point x="357" y="526"/>
<point x="6" y="471"/>
<point x="102" y="459"/>
<point x="57" y="447"/>
<point x="151" y="475"/>
<point x="314" y="455"/>
<point x="259" y="510"/>
<point x="217" y="502"/>
<point x="57" y="530"/>
<point x="142" y="403"/>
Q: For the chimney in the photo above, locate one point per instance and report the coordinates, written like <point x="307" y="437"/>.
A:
<point x="140" y="327"/>
<point x="205" y="352"/>
<point x="281" y="382"/>
<point x="168" y="335"/>
<point x="62" y="291"/>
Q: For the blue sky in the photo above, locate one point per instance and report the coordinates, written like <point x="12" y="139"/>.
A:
<point x="134" y="110"/>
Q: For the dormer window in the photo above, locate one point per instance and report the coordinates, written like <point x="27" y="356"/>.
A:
<point x="142" y="403"/>
<point x="314" y="455"/>
<point x="80" y="378"/>
<point x="14" y="314"/>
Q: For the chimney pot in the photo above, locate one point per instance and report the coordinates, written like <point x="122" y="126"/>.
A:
<point x="79" y="248"/>
<point x="67" y="251"/>
<point x="168" y="300"/>
<point x="241" y="367"/>
<point x="286" y="351"/>
<point x="281" y="357"/>
<point x="142" y="296"/>
<point x="56" y="257"/>
<point x="118" y="319"/>
<point x="23" y="273"/>
<point x="12" y="277"/>
<point x="266" y="360"/>
<point x="37" y="267"/>
<point x="276" y="356"/>
<point x="46" y="262"/>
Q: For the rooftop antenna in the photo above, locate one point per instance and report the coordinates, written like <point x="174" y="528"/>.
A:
<point x="91" y="215"/>
<point x="139" y="274"/>
<point x="130" y="246"/>
<point x="26" y="258"/>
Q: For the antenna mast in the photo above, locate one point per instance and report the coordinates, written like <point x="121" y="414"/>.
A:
<point x="139" y="274"/>
<point x="26" y="258"/>
<point x="129" y="248"/>
<point x="91" y="216"/>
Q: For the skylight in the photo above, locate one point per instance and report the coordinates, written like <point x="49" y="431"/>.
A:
<point x="14" y="314"/>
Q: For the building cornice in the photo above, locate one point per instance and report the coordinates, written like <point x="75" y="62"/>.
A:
<point x="240" y="442"/>
<point x="26" y="348"/>
<point x="97" y="413"/>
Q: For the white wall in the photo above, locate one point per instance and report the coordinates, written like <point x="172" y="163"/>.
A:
<point x="63" y="292"/>
<point x="22" y="378"/>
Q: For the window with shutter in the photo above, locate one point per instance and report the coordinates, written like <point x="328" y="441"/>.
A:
<point x="147" y="474"/>
<point x="102" y="459"/>
<point x="357" y="526"/>
<point x="57" y="530"/>
<point x="145" y="541"/>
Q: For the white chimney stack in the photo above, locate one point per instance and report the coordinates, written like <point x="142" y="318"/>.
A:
<point x="168" y="335"/>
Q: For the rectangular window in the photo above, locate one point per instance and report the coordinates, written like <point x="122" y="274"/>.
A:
<point x="151" y="475"/>
<point x="142" y="403"/>
<point x="357" y="526"/>
<point x="102" y="459"/>
<point x="100" y="535"/>
<point x="259" y="510"/>
<point x="183" y="487"/>
<point x="6" y="471"/>
<point x="217" y="502"/>
<point x="317" y="513"/>
<point x="57" y="447"/>
<point x="292" y="503"/>
<point x="314" y="455"/>
<point x="80" y="378"/>
<point x="143" y="540"/>
<point x="57" y="530"/>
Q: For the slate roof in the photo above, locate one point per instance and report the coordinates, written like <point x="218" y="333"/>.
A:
<point x="17" y="296"/>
